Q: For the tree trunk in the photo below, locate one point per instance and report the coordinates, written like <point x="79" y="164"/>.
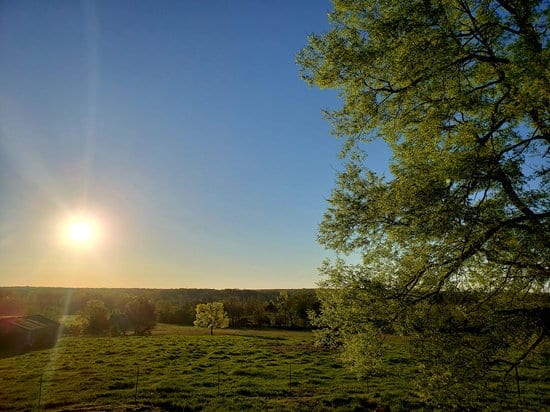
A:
<point x="211" y="330"/>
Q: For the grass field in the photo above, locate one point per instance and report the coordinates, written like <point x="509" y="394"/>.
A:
<point x="182" y="368"/>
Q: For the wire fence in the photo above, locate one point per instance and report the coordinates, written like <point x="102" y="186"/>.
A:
<point x="225" y="384"/>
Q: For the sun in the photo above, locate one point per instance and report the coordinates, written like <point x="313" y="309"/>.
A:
<point x="81" y="231"/>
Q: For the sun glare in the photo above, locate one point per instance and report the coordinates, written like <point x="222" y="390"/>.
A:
<point x="81" y="231"/>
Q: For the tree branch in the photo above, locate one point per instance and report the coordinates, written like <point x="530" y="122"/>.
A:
<point x="524" y="355"/>
<point x="535" y="219"/>
<point x="466" y="254"/>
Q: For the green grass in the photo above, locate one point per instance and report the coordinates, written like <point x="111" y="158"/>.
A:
<point x="180" y="367"/>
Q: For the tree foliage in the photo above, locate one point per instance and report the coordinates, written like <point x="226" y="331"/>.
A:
<point x="211" y="315"/>
<point x="454" y="241"/>
<point x="141" y="315"/>
<point x="95" y="317"/>
<point x="292" y="310"/>
<point x="120" y="324"/>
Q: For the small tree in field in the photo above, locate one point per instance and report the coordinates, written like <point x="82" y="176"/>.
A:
<point x="211" y="315"/>
<point x="141" y="315"/>
<point x="95" y="317"/>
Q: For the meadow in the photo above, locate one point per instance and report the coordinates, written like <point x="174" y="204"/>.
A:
<point x="182" y="368"/>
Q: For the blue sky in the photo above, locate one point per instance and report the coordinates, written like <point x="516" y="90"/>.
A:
<point x="181" y="128"/>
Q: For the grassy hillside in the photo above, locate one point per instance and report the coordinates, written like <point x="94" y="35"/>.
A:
<point x="184" y="369"/>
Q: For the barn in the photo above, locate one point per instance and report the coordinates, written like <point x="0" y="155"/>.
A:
<point x="19" y="334"/>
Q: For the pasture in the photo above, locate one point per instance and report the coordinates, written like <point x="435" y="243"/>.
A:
<point x="182" y="368"/>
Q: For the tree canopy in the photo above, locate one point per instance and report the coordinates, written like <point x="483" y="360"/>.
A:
<point x="211" y="315"/>
<point x="459" y="90"/>
<point x="95" y="317"/>
<point x="141" y="315"/>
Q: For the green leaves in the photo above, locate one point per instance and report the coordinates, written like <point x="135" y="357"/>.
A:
<point x="460" y="91"/>
<point x="211" y="315"/>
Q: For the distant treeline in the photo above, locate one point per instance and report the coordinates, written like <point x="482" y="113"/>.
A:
<point x="278" y="308"/>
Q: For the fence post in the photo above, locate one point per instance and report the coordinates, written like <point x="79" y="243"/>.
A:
<point x="218" y="379"/>
<point x="137" y="382"/>
<point x="517" y="384"/>
<point x="290" y="379"/>
<point x="40" y="391"/>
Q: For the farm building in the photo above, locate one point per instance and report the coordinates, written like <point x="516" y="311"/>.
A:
<point x="19" y="334"/>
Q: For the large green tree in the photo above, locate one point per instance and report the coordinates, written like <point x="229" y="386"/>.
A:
<point x="455" y="239"/>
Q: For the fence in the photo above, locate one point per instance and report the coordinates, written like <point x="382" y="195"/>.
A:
<point x="226" y="384"/>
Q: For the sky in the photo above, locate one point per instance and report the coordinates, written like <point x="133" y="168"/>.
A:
<point x="180" y="130"/>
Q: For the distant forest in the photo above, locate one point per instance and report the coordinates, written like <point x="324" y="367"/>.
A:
<point x="277" y="308"/>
